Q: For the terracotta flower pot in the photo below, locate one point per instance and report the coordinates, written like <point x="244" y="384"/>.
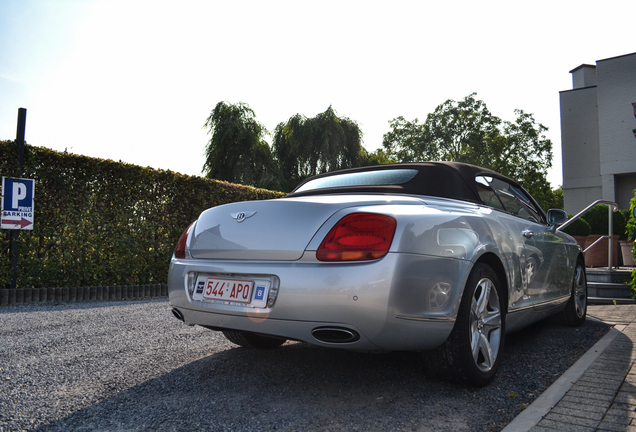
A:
<point x="627" y="248"/>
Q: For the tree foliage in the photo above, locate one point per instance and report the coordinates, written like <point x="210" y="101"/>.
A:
<point x="460" y="131"/>
<point x="237" y="151"/>
<point x="466" y="131"/>
<point x="378" y="157"/>
<point x="307" y="146"/>
<point x="408" y="142"/>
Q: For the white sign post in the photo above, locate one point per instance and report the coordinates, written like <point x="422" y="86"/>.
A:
<point x="17" y="209"/>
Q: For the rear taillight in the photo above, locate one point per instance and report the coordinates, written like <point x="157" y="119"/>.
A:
<point x="358" y="237"/>
<point x="179" y="251"/>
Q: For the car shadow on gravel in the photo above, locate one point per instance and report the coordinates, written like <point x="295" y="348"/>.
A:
<point x="303" y="387"/>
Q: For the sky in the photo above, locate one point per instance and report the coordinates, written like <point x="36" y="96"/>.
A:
<point x="135" y="80"/>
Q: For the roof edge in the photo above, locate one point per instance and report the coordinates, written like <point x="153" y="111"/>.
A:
<point x="582" y="66"/>
<point x="616" y="57"/>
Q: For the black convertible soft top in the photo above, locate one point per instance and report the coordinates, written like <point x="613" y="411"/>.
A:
<point x="453" y="180"/>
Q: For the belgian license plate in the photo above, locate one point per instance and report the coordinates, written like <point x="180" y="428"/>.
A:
<point x="232" y="290"/>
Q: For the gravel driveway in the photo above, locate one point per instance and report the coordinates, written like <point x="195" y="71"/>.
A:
<point x="133" y="366"/>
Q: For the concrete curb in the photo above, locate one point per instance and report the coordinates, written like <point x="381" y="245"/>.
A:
<point x="80" y="294"/>
<point x="548" y="399"/>
<point x="610" y="301"/>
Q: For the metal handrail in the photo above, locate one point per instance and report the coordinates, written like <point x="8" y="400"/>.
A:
<point x="613" y="207"/>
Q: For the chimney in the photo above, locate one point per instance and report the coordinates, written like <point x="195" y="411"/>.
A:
<point x="583" y="76"/>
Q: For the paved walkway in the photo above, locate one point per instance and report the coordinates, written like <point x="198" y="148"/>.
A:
<point x="598" y="393"/>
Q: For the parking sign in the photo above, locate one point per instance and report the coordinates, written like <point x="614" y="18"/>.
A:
<point x="17" y="203"/>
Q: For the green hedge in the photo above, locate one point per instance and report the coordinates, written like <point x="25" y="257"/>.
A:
<point x="598" y="218"/>
<point x="99" y="222"/>
<point x="596" y="221"/>
<point x="578" y="228"/>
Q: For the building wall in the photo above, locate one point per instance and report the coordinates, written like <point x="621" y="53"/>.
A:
<point x="597" y="138"/>
<point x="616" y="93"/>
<point x="582" y="183"/>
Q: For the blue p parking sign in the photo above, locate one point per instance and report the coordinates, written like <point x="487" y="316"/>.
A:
<point x="17" y="203"/>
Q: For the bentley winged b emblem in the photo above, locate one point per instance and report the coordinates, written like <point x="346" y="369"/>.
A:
<point x="241" y="216"/>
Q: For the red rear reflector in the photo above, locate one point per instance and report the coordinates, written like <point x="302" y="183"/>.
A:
<point x="179" y="251"/>
<point x="358" y="237"/>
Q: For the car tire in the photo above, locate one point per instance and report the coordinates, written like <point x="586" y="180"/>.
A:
<point x="576" y="309"/>
<point x="253" y="340"/>
<point x="472" y="353"/>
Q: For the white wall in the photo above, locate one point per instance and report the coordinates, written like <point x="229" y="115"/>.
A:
<point x="582" y="183"/>
<point x="616" y="92"/>
<point x="597" y="139"/>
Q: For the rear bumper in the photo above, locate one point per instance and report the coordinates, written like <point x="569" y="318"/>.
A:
<point x="392" y="304"/>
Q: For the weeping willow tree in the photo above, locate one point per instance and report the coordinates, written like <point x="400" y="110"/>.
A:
<point x="237" y="151"/>
<point x="307" y="146"/>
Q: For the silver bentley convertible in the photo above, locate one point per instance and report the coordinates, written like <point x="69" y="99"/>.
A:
<point x="439" y="257"/>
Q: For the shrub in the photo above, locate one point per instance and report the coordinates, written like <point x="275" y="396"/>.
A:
<point x="631" y="235"/>
<point x="630" y="228"/>
<point x="597" y="217"/>
<point x="99" y="222"/>
<point x="579" y="227"/>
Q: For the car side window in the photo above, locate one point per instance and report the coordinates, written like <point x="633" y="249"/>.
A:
<point x="512" y="199"/>
<point x="488" y="196"/>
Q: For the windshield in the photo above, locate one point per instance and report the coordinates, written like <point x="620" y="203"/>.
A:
<point x="366" y="178"/>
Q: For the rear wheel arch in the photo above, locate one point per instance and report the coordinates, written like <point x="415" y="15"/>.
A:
<point x="575" y="311"/>
<point x="472" y="353"/>
<point x="581" y="258"/>
<point x="493" y="261"/>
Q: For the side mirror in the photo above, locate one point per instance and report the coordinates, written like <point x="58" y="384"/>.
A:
<point x="556" y="217"/>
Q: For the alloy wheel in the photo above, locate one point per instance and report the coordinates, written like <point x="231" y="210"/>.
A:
<point x="580" y="292"/>
<point x="485" y="325"/>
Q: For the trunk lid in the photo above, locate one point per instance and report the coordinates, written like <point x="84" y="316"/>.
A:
<point x="271" y="230"/>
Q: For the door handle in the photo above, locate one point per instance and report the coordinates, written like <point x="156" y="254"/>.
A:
<point x="527" y="233"/>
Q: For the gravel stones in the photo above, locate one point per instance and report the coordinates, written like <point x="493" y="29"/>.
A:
<point x="133" y="366"/>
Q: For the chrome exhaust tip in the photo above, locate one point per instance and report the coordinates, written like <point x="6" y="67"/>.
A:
<point x="335" y="335"/>
<point x="178" y="315"/>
